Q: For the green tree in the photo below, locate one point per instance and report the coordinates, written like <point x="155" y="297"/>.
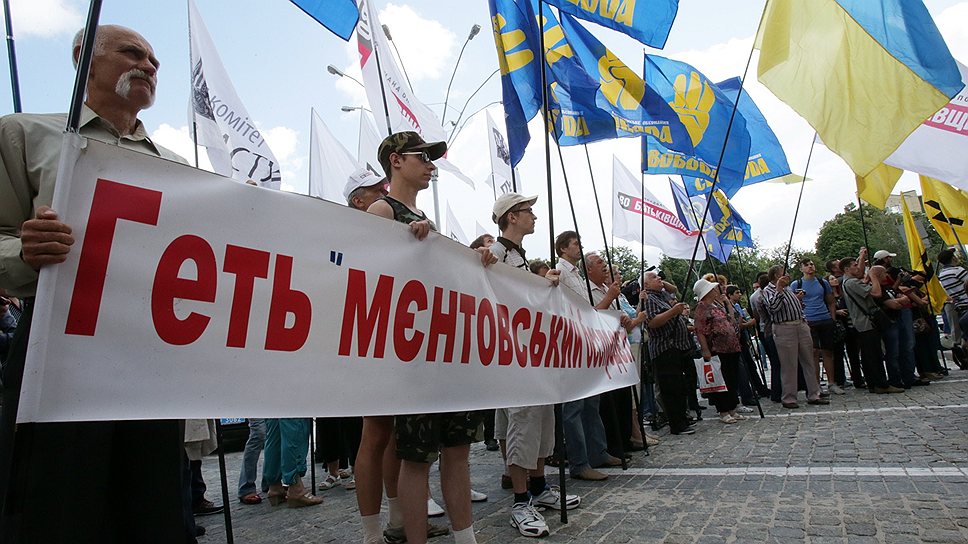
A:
<point x="626" y="260"/>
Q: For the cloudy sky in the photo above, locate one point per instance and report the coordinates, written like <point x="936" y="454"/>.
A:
<point x="277" y="58"/>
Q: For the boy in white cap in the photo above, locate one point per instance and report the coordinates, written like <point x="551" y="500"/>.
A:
<point x="530" y="429"/>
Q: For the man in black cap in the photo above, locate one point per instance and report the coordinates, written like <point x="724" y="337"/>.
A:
<point x="420" y="438"/>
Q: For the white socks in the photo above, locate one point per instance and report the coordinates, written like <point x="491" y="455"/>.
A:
<point x="372" y="529"/>
<point x="465" y="536"/>
<point x="396" y="514"/>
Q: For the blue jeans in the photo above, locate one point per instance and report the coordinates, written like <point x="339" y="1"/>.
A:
<point x="906" y="358"/>
<point x="250" y="457"/>
<point x="892" y="342"/>
<point x="287" y="444"/>
<point x="584" y="434"/>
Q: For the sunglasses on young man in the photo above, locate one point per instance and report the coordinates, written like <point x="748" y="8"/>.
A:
<point x="424" y="157"/>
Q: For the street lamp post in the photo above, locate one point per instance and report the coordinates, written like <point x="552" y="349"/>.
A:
<point x="470" y="36"/>
<point x="339" y="73"/>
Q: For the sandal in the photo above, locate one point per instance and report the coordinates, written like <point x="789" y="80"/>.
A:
<point x="330" y="482"/>
<point x="306" y="499"/>
<point x="277" y="496"/>
<point x="251" y="498"/>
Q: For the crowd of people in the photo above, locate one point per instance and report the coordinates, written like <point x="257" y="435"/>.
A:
<point x="871" y="322"/>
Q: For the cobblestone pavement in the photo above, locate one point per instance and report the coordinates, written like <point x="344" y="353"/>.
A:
<point x="867" y="469"/>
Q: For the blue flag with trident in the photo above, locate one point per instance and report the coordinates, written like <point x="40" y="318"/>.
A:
<point x="706" y="111"/>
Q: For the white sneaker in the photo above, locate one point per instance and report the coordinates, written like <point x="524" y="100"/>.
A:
<point x="743" y="409"/>
<point x="836" y="389"/>
<point x="477" y="496"/>
<point x="433" y="509"/>
<point x="551" y="498"/>
<point x="528" y="521"/>
<point x="728" y="419"/>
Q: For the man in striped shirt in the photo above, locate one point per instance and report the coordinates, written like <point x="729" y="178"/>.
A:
<point x="792" y="336"/>
<point x="954" y="279"/>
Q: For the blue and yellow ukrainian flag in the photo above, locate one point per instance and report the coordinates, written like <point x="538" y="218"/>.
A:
<point x="864" y="74"/>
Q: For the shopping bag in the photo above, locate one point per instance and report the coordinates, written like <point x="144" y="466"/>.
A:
<point x="710" y="375"/>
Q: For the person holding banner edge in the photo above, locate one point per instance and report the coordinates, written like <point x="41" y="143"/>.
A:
<point x="98" y="457"/>
<point x="422" y="438"/>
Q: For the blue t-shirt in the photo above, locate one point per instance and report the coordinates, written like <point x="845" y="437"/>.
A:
<point x="814" y="306"/>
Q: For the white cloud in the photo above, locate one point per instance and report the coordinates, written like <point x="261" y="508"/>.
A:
<point x="953" y="24"/>
<point x="425" y="45"/>
<point x="180" y="141"/>
<point x="44" y="18"/>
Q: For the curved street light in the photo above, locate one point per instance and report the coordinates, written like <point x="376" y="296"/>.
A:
<point x="339" y="73"/>
<point x="470" y="36"/>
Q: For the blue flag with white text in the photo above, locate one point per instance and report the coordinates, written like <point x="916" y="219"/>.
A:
<point x="647" y="21"/>
<point x="706" y="111"/>
<point x="339" y="16"/>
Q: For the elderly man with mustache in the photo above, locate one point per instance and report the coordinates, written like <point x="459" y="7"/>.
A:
<point x="102" y="465"/>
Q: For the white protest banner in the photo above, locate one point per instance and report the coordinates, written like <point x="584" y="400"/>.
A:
<point x="178" y="301"/>
<point x="235" y="146"/>
<point x="330" y="164"/>
<point x="937" y="148"/>
<point x="663" y="229"/>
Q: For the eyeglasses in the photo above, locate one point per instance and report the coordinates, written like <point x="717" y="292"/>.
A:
<point x="528" y="209"/>
<point x="424" y="157"/>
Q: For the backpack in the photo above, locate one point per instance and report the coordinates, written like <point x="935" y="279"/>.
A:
<point x="823" y="282"/>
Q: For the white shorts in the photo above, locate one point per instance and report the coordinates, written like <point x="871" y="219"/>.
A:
<point x="530" y="435"/>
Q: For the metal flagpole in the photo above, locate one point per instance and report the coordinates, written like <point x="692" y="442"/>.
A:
<point x="722" y="153"/>
<point x="191" y="84"/>
<point x="12" y="58"/>
<point x="601" y="221"/>
<point x="559" y="417"/>
<point x="786" y="259"/>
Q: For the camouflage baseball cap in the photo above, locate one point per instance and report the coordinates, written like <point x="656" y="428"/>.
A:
<point x="408" y="141"/>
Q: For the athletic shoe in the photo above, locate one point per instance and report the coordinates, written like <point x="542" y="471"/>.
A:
<point x="434" y="510"/>
<point x="528" y="521"/>
<point x="551" y="498"/>
<point x="477" y="496"/>
<point x="396" y="535"/>
<point x="728" y="419"/>
<point x="330" y="482"/>
<point x="744" y="409"/>
<point x="837" y="390"/>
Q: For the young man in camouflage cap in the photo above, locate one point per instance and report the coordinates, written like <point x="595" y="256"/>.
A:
<point x="422" y="438"/>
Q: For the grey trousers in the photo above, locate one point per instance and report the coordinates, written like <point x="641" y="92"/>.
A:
<point x="794" y="344"/>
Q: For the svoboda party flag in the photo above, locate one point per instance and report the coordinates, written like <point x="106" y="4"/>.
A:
<point x="235" y="147"/>
<point x="646" y="21"/>
<point x="706" y="112"/>
<point x="690" y="210"/>
<point x="864" y="74"/>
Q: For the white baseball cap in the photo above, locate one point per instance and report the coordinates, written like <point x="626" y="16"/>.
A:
<point x="883" y="254"/>
<point x="509" y="200"/>
<point x="361" y="178"/>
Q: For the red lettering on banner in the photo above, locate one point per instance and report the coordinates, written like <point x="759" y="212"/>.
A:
<point x="285" y="301"/>
<point x="442" y="324"/>
<point x="407" y="348"/>
<point x="539" y="341"/>
<point x="521" y="319"/>
<point x="486" y="343"/>
<point x="566" y="343"/>
<point x="553" y="355"/>
<point x="168" y="287"/>
<point x="356" y="316"/>
<point x="247" y="264"/>
<point x="112" y="201"/>
<point x="504" y="352"/>
<point x="468" y="307"/>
